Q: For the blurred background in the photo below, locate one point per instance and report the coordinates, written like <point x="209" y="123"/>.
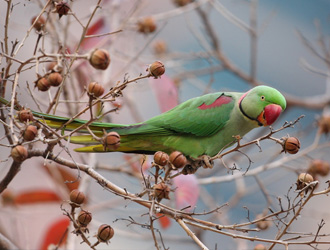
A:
<point x="276" y="43"/>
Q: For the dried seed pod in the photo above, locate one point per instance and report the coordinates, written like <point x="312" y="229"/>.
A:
<point x="77" y="197"/>
<point x="111" y="140"/>
<point x="62" y="8"/>
<point x="161" y="158"/>
<point x="19" y="153"/>
<point x="263" y="224"/>
<point x="147" y="25"/>
<point x="178" y="159"/>
<point x="181" y="3"/>
<point x="30" y="133"/>
<point x="99" y="59"/>
<point x="319" y="167"/>
<point x="25" y="115"/>
<point x="40" y="23"/>
<point x="42" y="84"/>
<point x="156" y="69"/>
<point x="105" y="233"/>
<point x="161" y="191"/>
<point x="324" y="124"/>
<point x="84" y="218"/>
<point x="291" y="145"/>
<point x="305" y="178"/>
<point x="95" y="89"/>
<point x="159" y="47"/>
<point x="55" y="79"/>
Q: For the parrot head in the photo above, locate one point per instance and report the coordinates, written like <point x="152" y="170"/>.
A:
<point x="262" y="104"/>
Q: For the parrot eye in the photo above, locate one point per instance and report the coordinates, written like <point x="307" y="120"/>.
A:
<point x="262" y="98"/>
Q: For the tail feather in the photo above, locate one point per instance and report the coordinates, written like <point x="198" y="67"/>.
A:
<point x="55" y="122"/>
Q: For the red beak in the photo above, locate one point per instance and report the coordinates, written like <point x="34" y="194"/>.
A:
<point x="270" y="114"/>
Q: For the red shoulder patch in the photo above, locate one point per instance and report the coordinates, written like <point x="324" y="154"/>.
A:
<point x="217" y="103"/>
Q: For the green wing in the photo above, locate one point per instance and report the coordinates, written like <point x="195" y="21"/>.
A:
<point x="200" y="116"/>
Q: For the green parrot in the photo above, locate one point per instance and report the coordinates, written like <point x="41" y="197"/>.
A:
<point x="200" y="126"/>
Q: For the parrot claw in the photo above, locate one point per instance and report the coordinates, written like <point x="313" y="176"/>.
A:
<point x="206" y="163"/>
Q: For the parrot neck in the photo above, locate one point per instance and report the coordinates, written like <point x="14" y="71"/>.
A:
<point x="245" y="114"/>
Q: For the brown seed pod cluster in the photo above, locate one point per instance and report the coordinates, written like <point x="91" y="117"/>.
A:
<point x="52" y="79"/>
<point x="111" y="140"/>
<point x="178" y="159"/>
<point x="147" y="25"/>
<point x="19" y="153"/>
<point x="291" y="145"/>
<point x="81" y="222"/>
<point x="161" y="158"/>
<point x="161" y="191"/>
<point x="95" y="89"/>
<point x="156" y="69"/>
<point x="99" y="59"/>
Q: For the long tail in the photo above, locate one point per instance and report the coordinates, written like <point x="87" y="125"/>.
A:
<point x="68" y="124"/>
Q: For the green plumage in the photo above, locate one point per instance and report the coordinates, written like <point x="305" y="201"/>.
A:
<point x="200" y="126"/>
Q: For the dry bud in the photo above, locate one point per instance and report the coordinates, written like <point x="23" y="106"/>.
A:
<point x="62" y="8"/>
<point x="25" y="115"/>
<point x="178" y="159"/>
<point x="19" y="153"/>
<point x="161" y="158"/>
<point x="156" y="69"/>
<point x="55" y="79"/>
<point x="105" y="233"/>
<point x="40" y="23"/>
<point x="100" y="59"/>
<point x="42" y="84"/>
<point x="111" y="140"/>
<point x="181" y="2"/>
<point x="319" y="167"/>
<point x="95" y="89"/>
<point x="147" y="25"/>
<point x="291" y="145"/>
<point x="84" y="218"/>
<point x="263" y="224"/>
<point x="324" y="124"/>
<point x="77" y="197"/>
<point x="30" y="133"/>
<point x="161" y="191"/>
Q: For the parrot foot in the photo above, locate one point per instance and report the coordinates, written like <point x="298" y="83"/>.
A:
<point x="205" y="161"/>
<point x="193" y="165"/>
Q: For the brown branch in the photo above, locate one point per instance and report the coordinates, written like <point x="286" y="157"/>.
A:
<point x="13" y="171"/>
